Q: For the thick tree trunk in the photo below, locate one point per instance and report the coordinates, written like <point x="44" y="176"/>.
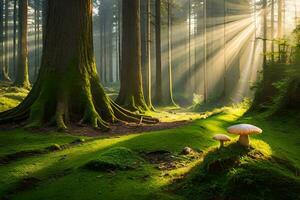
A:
<point x="158" y="84"/>
<point x="22" y="77"/>
<point x="131" y="90"/>
<point x="67" y="89"/>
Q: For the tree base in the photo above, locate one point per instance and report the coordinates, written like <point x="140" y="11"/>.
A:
<point x="92" y="107"/>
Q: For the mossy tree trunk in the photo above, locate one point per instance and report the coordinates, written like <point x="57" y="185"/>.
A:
<point x="67" y="89"/>
<point x="22" y="76"/>
<point x="131" y="90"/>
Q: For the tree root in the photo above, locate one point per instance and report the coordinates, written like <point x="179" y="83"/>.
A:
<point x="98" y="113"/>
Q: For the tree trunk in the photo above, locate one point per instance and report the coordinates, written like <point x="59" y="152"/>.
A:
<point x="131" y="90"/>
<point x="6" y="46"/>
<point x="15" y="38"/>
<point x="205" y="83"/>
<point x="158" y="84"/>
<point x="169" y="98"/>
<point x="3" y="73"/>
<point x="22" y="77"/>
<point x="149" y="71"/>
<point x="265" y="31"/>
<point x="67" y="89"/>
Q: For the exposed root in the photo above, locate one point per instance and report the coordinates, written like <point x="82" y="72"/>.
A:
<point x="44" y="107"/>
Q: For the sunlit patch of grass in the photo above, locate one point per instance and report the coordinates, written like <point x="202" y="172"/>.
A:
<point x="11" y="96"/>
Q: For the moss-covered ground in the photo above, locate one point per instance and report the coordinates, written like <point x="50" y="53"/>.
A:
<point x="123" y="167"/>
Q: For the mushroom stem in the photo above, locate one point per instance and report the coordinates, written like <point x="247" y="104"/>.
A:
<point x="221" y="144"/>
<point x="244" y="140"/>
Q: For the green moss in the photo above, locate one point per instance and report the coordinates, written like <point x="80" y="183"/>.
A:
<point x="11" y="96"/>
<point x="235" y="172"/>
<point x="115" y="158"/>
<point x="275" y="154"/>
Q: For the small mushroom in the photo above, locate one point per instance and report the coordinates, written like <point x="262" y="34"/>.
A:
<point x="244" y="130"/>
<point x="222" y="138"/>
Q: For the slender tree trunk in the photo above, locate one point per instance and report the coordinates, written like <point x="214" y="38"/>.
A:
<point x="280" y="32"/>
<point x="35" y="38"/>
<point x="265" y="26"/>
<point x="22" y="77"/>
<point x="189" y="77"/>
<point x="170" y="99"/>
<point x="6" y="46"/>
<point x="131" y="89"/>
<point x="205" y="93"/>
<point x="120" y="38"/>
<point x="3" y="72"/>
<point x="272" y="29"/>
<point x="68" y="72"/>
<point x="39" y="32"/>
<point x="158" y="84"/>
<point x="101" y="27"/>
<point x="149" y="64"/>
<point x="225" y="50"/>
<point x="15" y="38"/>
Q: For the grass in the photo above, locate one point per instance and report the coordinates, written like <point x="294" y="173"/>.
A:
<point x="10" y="96"/>
<point x="60" y="174"/>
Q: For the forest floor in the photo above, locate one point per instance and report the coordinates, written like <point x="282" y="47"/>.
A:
<point x="149" y="165"/>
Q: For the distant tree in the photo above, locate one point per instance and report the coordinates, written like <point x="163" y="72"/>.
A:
<point x="15" y="19"/>
<point x="6" y="43"/>
<point x="158" y="82"/>
<point x="148" y="76"/>
<point x="3" y="70"/>
<point x="22" y="76"/>
<point x="131" y="90"/>
<point x="169" y="97"/>
<point x="67" y="89"/>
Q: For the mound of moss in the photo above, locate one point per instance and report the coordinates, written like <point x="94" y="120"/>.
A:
<point x="235" y="173"/>
<point x="119" y="158"/>
<point x="11" y="96"/>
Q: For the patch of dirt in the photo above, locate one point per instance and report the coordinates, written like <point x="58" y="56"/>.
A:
<point x="9" y="158"/>
<point x="117" y="129"/>
<point x="27" y="184"/>
<point x="19" y="155"/>
<point x="165" y="160"/>
<point x="124" y="129"/>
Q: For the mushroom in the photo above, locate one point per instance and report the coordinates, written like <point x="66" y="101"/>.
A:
<point x="222" y="138"/>
<point x="244" y="130"/>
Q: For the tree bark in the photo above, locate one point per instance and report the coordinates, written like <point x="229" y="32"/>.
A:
<point x="149" y="64"/>
<point x="158" y="84"/>
<point x="3" y="72"/>
<point x="22" y="77"/>
<point x="67" y="89"/>
<point x="6" y="47"/>
<point x="15" y="38"/>
<point x="131" y="90"/>
<point x="169" y="98"/>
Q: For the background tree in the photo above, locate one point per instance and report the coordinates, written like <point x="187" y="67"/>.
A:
<point x="3" y="70"/>
<point x="22" y="77"/>
<point x="158" y="82"/>
<point x="131" y="90"/>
